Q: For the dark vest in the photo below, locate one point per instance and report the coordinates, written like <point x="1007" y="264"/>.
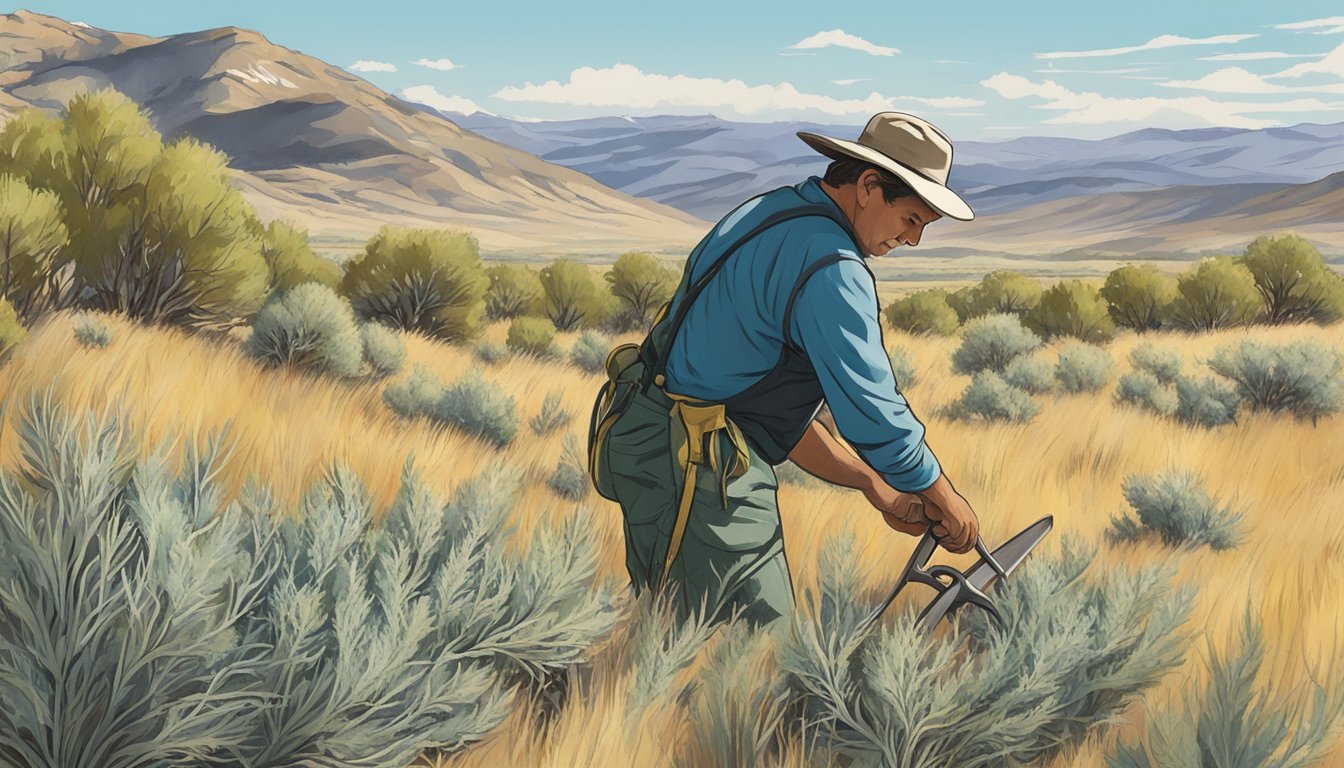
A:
<point x="774" y="412"/>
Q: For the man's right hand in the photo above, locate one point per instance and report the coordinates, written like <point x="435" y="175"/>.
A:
<point x="955" y="525"/>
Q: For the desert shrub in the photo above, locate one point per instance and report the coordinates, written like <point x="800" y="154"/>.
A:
<point x="1030" y="374"/>
<point x="308" y="326"/>
<point x="1176" y="507"/>
<point x="1215" y="293"/>
<point x="1071" y="308"/>
<point x="1073" y="652"/>
<point x="1206" y="402"/>
<point x="292" y="262"/>
<point x="1164" y="363"/>
<point x="924" y="312"/>
<point x="590" y="352"/>
<point x="990" y="343"/>
<point x="1302" y="378"/>
<point x="570" y="478"/>
<point x="514" y="290"/>
<point x="1138" y="296"/>
<point x="991" y="398"/>
<point x="420" y="280"/>
<point x="1294" y="281"/>
<point x="902" y="367"/>
<point x="642" y="283"/>
<point x="1142" y="389"/>
<point x="1234" y="721"/>
<point x="552" y="415"/>
<point x="11" y="329"/>
<point x="999" y="292"/>
<point x="383" y="349"/>
<point x="572" y="294"/>
<point x="1083" y="367"/>
<point x="491" y="352"/>
<point x="92" y="332"/>
<point x="532" y="336"/>
<point x="668" y="637"/>
<point x="30" y="252"/>
<point x="478" y="407"/>
<point x="416" y="395"/>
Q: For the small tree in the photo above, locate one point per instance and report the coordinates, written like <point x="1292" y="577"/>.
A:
<point x="925" y="312"/>
<point x="1216" y="293"/>
<point x="292" y="261"/>
<point x="1138" y="296"/>
<point x="1071" y="308"/>
<point x="571" y="292"/>
<point x="990" y="343"/>
<point x="531" y="335"/>
<point x="1293" y="280"/>
<point x="642" y="284"/>
<point x="1001" y="291"/>
<point x="32" y="236"/>
<point x="11" y="330"/>
<point x="420" y="280"/>
<point x="513" y="291"/>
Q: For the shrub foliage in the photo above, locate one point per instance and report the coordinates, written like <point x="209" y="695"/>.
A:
<point x="923" y="312"/>
<point x="990" y="343"/>
<point x="1302" y="378"/>
<point x="309" y="326"/>
<point x="1176" y="507"/>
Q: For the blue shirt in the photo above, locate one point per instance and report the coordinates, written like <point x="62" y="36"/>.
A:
<point x="732" y="335"/>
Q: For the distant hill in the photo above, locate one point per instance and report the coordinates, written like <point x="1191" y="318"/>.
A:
<point x="325" y="147"/>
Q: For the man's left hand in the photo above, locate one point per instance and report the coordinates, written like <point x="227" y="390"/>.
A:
<point x="902" y="511"/>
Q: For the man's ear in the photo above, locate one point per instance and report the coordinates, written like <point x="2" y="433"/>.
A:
<point x="864" y="189"/>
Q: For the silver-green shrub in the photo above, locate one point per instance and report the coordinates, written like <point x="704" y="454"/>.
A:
<point x="1030" y="374"/>
<point x="1302" y="378"/>
<point x="1206" y="402"/>
<point x="1142" y="389"/>
<point x="383" y="349"/>
<point x="552" y="415"/>
<point x="478" y="407"/>
<point x="991" y="342"/>
<point x="416" y="395"/>
<point x="1083" y="367"/>
<point x="1176" y="507"/>
<point x="902" y="367"/>
<point x="310" y="326"/>
<point x="491" y="352"/>
<point x="570" y="479"/>
<point x="590" y="352"/>
<point x="789" y="473"/>
<point x="1072" y="653"/>
<point x="1164" y="363"/>
<point x="92" y="332"/>
<point x="991" y="398"/>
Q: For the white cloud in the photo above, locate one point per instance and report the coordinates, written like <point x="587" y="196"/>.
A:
<point x="1090" y="108"/>
<point x="1331" y="25"/>
<point x="950" y="61"/>
<point x="443" y="65"/>
<point x="363" y="65"/>
<point x="1331" y="64"/>
<point x="1258" y="56"/>
<point x="1128" y="71"/>
<point x="839" y="38"/>
<point x="430" y="97"/>
<point x="852" y="81"/>
<point x="1161" y="41"/>
<point x="626" y="87"/>
<point x="1238" y="80"/>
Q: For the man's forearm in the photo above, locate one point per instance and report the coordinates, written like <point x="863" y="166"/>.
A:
<point x="821" y="454"/>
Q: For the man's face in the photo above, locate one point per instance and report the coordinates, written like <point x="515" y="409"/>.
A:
<point x="881" y="226"/>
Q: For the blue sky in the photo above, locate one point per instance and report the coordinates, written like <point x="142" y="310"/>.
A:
<point x="980" y="70"/>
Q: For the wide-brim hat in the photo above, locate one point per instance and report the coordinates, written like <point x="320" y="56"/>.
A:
<point x="909" y="147"/>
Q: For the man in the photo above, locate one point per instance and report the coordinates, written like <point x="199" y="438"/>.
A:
<point x="776" y="312"/>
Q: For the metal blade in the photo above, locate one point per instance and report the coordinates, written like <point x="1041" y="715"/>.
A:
<point x="1009" y="555"/>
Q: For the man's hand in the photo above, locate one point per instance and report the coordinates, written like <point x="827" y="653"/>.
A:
<point x="902" y="511"/>
<point x="955" y="524"/>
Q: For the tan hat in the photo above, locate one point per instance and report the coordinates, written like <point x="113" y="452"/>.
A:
<point x="911" y="148"/>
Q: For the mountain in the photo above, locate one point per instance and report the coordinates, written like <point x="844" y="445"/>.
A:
<point x="319" y="145"/>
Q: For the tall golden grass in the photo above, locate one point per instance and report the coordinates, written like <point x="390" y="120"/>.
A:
<point x="1287" y="477"/>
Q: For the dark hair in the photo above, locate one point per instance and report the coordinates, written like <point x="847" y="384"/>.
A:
<point x="848" y="170"/>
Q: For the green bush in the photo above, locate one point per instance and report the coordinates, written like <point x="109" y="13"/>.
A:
<point x="491" y="352"/>
<point x="1073" y="652"/>
<point x="1215" y="293"/>
<point x="532" y="336"/>
<point x="552" y="415"/>
<point x="570" y="478"/>
<point x="1142" y="389"/>
<point x="204" y="633"/>
<point x="420" y="280"/>
<point x="990" y="343"/>
<point x="1177" y="509"/>
<point x="991" y="398"/>
<point x="1030" y="374"/>
<point x="903" y="368"/>
<point x="514" y="290"/>
<point x="291" y="259"/>
<point x="1083" y="367"/>
<point x="31" y="250"/>
<point x="590" y="352"/>
<point x="1138" y="296"/>
<point x="416" y="395"/>
<point x="572" y="294"/>
<point x="1294" y="281"/>
<point x="92" y="332"/>
<point x="1206" y="402"/>
<point x="478" y="407"/>
<point x="999" y="292"/>
<point x="383" y="349"/>
<point x="923" y="312"/>
<point x="308" y="326"/>
<point x="1302" y="378"/>
<point x="642" y="283"/>
<point x="11" y="330"/>
<point x="1164" y="363"/>
<point x="1071" y="308"/>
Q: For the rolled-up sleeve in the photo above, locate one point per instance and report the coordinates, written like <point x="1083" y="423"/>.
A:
<point x="835" y="321"/>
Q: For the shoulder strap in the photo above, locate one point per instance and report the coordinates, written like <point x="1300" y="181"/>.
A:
<point x="655" y="359"/>
<point x="811" y="270"/>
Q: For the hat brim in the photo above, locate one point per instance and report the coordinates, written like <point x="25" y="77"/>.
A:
<point x="939" y="197"/>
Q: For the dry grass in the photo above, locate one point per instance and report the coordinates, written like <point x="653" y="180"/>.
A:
<point x="1069" y="461"/>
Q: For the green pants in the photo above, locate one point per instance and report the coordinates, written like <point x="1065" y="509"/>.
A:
<point x="744" y="541"/>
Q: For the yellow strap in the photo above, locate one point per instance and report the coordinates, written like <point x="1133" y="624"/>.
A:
<point x="683" y="514"/>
